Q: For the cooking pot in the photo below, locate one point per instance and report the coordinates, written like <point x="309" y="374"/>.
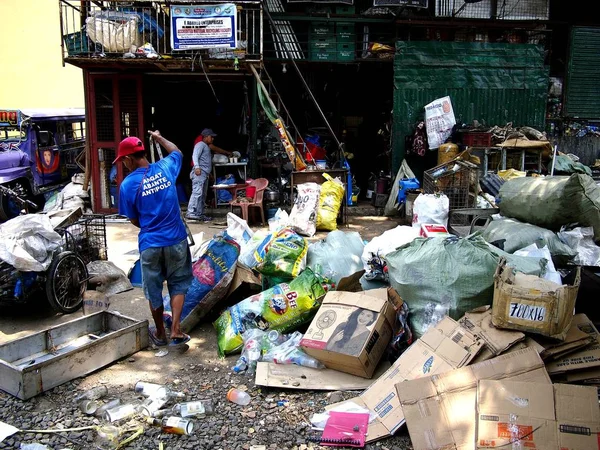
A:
<point x="272" y="196"/>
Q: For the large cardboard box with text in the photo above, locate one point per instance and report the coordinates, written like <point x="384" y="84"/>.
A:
<point x="533" y="304"/>
<point x="537" y="416"/>
<point x="351" y="331"/>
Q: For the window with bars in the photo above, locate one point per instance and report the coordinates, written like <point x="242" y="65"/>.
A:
<point x="104" y="108"/>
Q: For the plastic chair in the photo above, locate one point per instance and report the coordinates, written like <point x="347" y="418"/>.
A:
<point x="260" y="184"/>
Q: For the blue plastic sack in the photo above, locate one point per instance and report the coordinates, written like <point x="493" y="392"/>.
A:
<point x="224" y="196"/>
<point x="213" y="273"/>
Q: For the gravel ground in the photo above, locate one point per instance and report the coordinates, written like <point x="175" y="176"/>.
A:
<point x="275" y="419"/>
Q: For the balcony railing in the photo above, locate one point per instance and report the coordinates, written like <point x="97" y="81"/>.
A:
<point x="123" y="29"/>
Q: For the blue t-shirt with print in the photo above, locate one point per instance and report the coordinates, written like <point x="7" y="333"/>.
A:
<point x="153" y="201"/>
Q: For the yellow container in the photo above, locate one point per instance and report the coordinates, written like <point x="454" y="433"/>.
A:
<point x="447" y="152"/>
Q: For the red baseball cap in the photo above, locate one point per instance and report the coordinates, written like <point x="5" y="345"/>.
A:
<point x="129" y="146"/>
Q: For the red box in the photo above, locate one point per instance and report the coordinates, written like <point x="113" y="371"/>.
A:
<point x="477" y="139"/>
<point x="433" y="229"/>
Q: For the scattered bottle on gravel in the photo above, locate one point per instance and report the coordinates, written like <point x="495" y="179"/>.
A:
<point x="107" y="437"/>
<point x="151" y="405"/>
<point x="173" y="425"/>
<point x="110" y="405"/>
<point x="120" y="412"/>
<point x="93" y="394"/>
<point x="156" y="390"/>
<point x="197" y="408"/>
<point x="238" y="397"/>
<point x="89" y="406"/>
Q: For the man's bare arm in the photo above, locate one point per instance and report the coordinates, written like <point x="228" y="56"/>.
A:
<point x="135" y="222"/>
<point x="164" y="143"/>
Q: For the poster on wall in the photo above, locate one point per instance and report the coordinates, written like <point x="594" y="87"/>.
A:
<point x="439" y="121"/>
<point x="197" y="27"/>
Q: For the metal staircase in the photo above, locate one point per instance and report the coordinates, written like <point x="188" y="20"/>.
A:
<point x="289" y="132"/>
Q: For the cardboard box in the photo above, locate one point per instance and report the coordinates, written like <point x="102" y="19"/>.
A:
<point x="533" y="304"/>
<point x="431" y="230"/>
<point x="577" y="417"/>
<point x="439" y="409"/>
<point x="444" y="347"/>
<point x="351" y="331"/>
<point x="576" y="339"/>
<point x="586" y="358"/>
<point x="537" y="416"/>
<point x="496" y="340"/>
<point x="515" y="412"/>
<point x="245" y="280"/>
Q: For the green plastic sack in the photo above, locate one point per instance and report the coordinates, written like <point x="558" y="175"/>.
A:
<point x="565" y="165"/>
<point x="552" y="202"/>
<point x="330" y="200"/>
<point x="284" y="308"/>
<point x="281" y="254"/>
<point x="444" y="276"/>
<point x="517" y="235"/>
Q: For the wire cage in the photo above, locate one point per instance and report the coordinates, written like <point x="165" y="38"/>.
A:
<point x="87" y="238"/>
<point x="458" y="180"/>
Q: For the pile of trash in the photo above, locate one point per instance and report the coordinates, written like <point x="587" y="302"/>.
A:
<point x="489" y="334"/>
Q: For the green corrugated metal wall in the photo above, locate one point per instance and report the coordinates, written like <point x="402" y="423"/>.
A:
<point x="492" y="83"/>
<point x="583" y="74"/>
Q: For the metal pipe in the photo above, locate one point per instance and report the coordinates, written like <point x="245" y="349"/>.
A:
<point x="554" y="159"/>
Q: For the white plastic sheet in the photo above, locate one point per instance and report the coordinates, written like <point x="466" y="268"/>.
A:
<point x="28" y="242"/>
<point x="238" y="229"/>
<point x="535" y="252"/>
<point x="115" y="35"/>
<point x="581" y="239"/>
<point x="431" y="208"/>
<point x="389" y="241"/>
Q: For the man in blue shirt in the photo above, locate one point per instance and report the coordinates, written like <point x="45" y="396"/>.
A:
<point x="202" y="160"/>
<point x="148" y="197"/>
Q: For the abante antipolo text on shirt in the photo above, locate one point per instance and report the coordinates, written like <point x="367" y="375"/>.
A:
<point x="154" y="184"/>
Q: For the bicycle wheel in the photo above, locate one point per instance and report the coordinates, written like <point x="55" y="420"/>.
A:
<point x="66" y="282"/>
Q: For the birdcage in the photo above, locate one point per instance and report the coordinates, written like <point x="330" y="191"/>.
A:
<point x="457" y="179"/>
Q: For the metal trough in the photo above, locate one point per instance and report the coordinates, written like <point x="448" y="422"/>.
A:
<point x="41" y="361"/>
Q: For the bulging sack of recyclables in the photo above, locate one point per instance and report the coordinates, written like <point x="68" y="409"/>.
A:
<point x="552" y="202"/>
<point x="448" y="276"/>
<point x="516" y="235"/>
<point x="213" y="273"/>
<point x="284" y="308"/>
<point x="281" y="254"/>
<point x="330" y="200"/>
<point x="303" y="218"/>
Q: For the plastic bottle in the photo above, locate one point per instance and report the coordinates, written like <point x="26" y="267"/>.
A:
<point x="241" y="365"/>
<point x="173" y="425"/>
<point x="93" y="394"/>
<point x="195" y="408"/>
<point x="298" y="357"/>
<point x="238" y="397"/>
<point x="156" y="390"/>
<point x="120" y="412"/>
